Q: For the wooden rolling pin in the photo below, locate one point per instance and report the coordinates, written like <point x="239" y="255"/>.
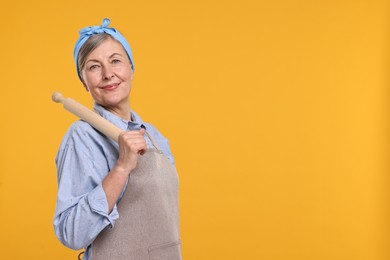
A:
<point x="102" y="125"/>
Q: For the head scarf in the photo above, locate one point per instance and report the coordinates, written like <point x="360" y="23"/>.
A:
<point x="87" y="32"/>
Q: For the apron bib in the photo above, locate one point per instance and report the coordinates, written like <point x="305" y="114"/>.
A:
<point x="148" y="224"/>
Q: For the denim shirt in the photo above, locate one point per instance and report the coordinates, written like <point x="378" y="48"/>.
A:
<point x="83" y="160"/>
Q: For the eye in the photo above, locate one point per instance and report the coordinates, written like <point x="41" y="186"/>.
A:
<point x="114" y="61"/>
<point x="93" y="67"/>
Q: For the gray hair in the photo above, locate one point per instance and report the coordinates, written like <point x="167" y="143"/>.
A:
<point x="89" y="46"/>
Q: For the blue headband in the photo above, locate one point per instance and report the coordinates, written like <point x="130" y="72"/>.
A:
<point x="87" y="32"/>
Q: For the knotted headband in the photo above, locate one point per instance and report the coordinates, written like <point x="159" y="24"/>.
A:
<point x="87" y="32"/>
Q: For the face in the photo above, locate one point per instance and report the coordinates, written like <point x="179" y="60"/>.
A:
<point x="107" y="75"/>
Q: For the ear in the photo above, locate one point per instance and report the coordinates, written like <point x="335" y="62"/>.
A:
<point x="131" y="74"/>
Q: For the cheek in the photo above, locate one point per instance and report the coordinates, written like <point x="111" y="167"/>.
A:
<point x="125" y="72"/>
<point x="90" y="80"/>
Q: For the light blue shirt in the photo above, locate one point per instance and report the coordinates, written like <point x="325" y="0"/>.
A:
<point x="83" y="160"/>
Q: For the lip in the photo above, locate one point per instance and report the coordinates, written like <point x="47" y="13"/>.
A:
<point x="110" y="87"/>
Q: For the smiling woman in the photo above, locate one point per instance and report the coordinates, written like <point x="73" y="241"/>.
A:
<point x="100" y="180"/>
<point x="107" y="74"/>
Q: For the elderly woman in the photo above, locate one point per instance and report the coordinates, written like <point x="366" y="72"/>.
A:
<point x="117" y="200"/>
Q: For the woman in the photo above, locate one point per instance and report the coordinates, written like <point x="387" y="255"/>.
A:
<point x="119" y="201"/>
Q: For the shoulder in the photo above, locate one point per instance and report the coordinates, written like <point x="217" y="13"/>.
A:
<point x="157" y="136"/>
<point x="78" y="133"/>
<point x="84" y="137"/>
<point x="150" y="128"/>
<point x="161" y="141"/>
<point x="80" y="127"/>
<point x="83" y="145"/>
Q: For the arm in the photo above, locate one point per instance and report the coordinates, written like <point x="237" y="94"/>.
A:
<point x="130" y="146"/>
<point x="82" y="209"/>
<point x="87" y="194"/>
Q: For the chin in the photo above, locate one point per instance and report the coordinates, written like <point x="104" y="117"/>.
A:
<point x="115" y="102"/>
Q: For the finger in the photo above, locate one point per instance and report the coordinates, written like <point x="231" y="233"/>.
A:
<point x="134" y="141"/>
<point x="138" y="148"/>
<point x="142" y="148"/>
<point x="134" y="133"/>
<point x="137" y="145"/>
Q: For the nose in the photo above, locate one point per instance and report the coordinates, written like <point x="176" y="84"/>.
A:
<point x="107" y="73"/>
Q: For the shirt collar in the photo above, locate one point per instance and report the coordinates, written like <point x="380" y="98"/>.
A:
<point x="125" y="125"/>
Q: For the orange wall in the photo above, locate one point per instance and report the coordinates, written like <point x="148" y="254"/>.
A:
<point x="276" y="112"/>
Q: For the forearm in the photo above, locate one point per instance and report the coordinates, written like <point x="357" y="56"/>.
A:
<point x="131" y="145"/>
<point x="113" y="185"/>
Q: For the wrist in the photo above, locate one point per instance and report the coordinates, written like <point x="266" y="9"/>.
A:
<point x="121" y="170"/>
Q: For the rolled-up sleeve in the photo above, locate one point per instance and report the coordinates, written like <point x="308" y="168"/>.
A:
<point x="98" y="202"/>
<point x="82" y="207"/>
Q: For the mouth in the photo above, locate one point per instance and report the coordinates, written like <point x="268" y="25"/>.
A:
<point x="110" y="87"/>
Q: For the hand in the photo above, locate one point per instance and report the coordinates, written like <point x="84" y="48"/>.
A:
<point x="131" y="145"/>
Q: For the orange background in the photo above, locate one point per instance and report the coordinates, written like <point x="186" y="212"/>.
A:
<point x="276" y="112"/>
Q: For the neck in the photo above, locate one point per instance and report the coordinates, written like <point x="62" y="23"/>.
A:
<point x="123" y="111"/>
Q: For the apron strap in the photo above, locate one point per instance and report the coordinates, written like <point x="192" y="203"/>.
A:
<point x="152" y="141"/>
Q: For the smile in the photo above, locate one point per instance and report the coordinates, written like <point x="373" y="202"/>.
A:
<point x="111" y="86"/>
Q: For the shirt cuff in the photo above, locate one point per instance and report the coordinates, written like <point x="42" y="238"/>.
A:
<point x="98" y="202"/>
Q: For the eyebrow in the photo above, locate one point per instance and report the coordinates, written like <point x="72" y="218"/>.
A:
<point x="112" y="55"/>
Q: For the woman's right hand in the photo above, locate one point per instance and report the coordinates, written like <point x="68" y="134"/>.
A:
<point x="131" y="145"/>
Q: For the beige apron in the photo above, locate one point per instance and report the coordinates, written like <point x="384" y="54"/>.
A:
<point x="148" y="224"/>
